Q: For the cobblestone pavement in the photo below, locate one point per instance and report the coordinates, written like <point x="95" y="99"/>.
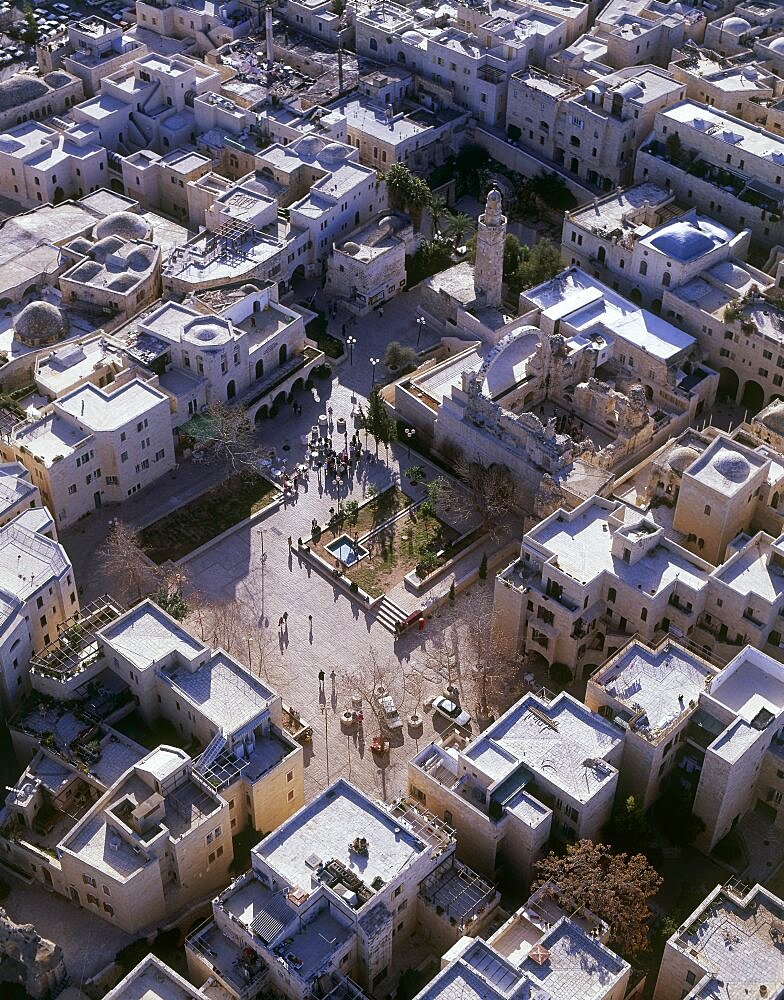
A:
<point x="88" y="942"/>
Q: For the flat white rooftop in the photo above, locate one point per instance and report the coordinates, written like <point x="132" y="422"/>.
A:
<point x="327" y="827"/>
<point x="28" y="560"/>
<point x="222" y="691"/>
<point x="145" y="635"/>
<point x="739" y="941"/>
<point x="751" y="682"/>
<point x="583" y="547"/>
<point x="661" y="682"/>
<point x="723" y="128"/>
<point x="586" y="304"/>
<point x="559" y="742"/>
<point x="578" y="966"/>
<point x="109" y="411"/>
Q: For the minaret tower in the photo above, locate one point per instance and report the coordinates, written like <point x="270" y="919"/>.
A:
<point x="490" y="237"/>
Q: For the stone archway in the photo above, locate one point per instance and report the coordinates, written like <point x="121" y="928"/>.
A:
<point x="729" y="383"/>
<point x="753" y="397"/>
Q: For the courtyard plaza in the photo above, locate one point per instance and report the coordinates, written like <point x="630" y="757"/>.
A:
<point x="343" y="629"/>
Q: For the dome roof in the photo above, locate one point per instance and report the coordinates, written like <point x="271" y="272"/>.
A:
<point x="21" y="89"/>
<point x="734" y="468"/>
<point x="333" y="152"/>
<point x="59" y="79"/>
<point x="80" y="245"/>
<point x="777" y="45"/>
<point x="310" y="146"/>
<point x="774" y="418"/>
<point x="631" y="88"/>
<point x="683" y="241"/>
<point x="351" y="247"/>
<point x="681" y="458"/>
<point x="249" y="289"/>
<point x="124" y="224"/>
<point x="737" y="25"/>
<point x="140" y="259"/>
<point x="730" y="274"/>
<point x="40" y="323"/>
<point x="208" y="331"/>
<point x="102" y="249"/>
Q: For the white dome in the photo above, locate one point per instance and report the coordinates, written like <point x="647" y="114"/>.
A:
<point x="774" y="418"/>
<point x="631" y="88"/>
<point x="333" y="152"/>
<point x="209" y="331"/>
<point x="40" y="323"/>
<point x="777" y="45"/>
<point x="123" y="224"/>
<point x="310" y="146"/>
<point x="683" y="241"/>
<point x="681" y="458"/>
<point x="737" y="25"/>
<point x="734" y="468"/>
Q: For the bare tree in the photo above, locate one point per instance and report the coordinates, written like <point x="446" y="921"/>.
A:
<point x="371" y="676"/>
<point x="132" y="574"/>
<point x="229" y="437"/>
<point x="491" y="674"/>
<point x="415" y="687"/>
<point x="223" y="624"/>
<point x="487" y="494"/>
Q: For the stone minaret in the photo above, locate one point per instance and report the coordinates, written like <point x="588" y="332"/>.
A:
<point x="489" y="267"/>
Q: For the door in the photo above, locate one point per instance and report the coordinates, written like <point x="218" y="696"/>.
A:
<point x="97" y="498"/>
<point x="74" y="894"/>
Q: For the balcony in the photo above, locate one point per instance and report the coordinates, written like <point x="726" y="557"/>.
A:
<point x="309" y="357"/>
<point x="240" y="968"/>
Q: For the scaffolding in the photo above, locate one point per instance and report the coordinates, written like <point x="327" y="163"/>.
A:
<point x="457" y="892"/>
<point x="424" y="824"/>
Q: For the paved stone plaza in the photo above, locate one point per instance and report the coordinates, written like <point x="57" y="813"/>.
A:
<point x="343" y="631"/>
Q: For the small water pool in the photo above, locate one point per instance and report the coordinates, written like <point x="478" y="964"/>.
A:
<point x="343" y="548"/>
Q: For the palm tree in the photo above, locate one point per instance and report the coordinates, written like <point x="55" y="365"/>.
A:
<point x="438" y="209"/>
<point x="458" y="226"/>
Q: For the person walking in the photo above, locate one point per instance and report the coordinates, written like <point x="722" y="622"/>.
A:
<point x="285" y="617"/>
<point x="310" y="620"/>
<point x="321" y="676"/>
<point x="290" y="541"/>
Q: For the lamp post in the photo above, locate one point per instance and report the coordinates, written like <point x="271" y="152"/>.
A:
<point x="374" y="362"/>
<point x="409" y="433"/>
<point x="420" y="327"/>
<point x="338" y="483"/>
<point x="350" y="342"/>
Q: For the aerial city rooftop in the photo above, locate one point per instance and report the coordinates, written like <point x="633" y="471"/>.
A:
<point x="392" y="500"/>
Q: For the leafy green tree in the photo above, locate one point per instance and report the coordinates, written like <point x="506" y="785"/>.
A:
<point x="415" y="474"/>
<point x="471" y="165"/>
<point x="172" y="602"/>
<point x="628" y="827"/>
<point x="351" y="513"/>
<point x="438" y="209"/>
<point x="616" y="887"/>
<point x="31" y="31"/>
<point x="431" y="257"/>
<point x="513" y="255"/>
<point x="399" y="358"/>
<point x="378" y="422"/>
<point x="483" y="567"/>
<point x="539" y="263"/>
<point x="406" y="190"/>
<point x="552" y="190"/>
<point x="673" y="815"/>
<point x="674" y="148"/>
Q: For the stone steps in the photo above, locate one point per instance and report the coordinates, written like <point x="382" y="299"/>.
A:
<point x="389" y="615"/>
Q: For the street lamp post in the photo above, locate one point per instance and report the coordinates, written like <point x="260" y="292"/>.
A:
<point x="350" y="342"/>
<point x="409" y="432"/>
<point x="420" y="327"/>
<point x="373" y="363"/>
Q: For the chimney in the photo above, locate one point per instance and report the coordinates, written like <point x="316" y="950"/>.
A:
<point x="268" y="35"/>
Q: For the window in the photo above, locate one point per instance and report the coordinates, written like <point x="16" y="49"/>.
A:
<point x="706" y="510"/>
<point x="643" y="614"/>
<point x="88" y="880"/>
<point x="611" y="594"/>
<point x="290" y="795"/>
<point x="290" y="776"/>
<point x="71" y="489"/>
<point x="124" y="456"/>
<point x="643" y="267"/>
<point x="691" y="978"/>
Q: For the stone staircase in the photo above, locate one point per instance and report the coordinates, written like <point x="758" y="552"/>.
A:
<point x="389" y="615"/>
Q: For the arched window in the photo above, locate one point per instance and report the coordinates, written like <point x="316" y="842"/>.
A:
<point x="644" y="267"/>
<point x="373" y="45"/>
<point x="666" y="279"/>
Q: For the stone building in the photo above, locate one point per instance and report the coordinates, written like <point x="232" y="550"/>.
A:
<point x="544" y="770"/>
<point x="593" y="132"/>
<point x="338" y="891"/>
<point x="370" y="267"/>
<point x="703" y="956"/>
<point x="24" y="96"/>
<point x="489" y="265"/>
<point x="29" y="959"/>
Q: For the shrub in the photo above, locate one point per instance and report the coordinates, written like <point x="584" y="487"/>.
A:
<point x="452" y="591"/>
<point x="323" y="370"/>
<point x="483" y="567"/>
